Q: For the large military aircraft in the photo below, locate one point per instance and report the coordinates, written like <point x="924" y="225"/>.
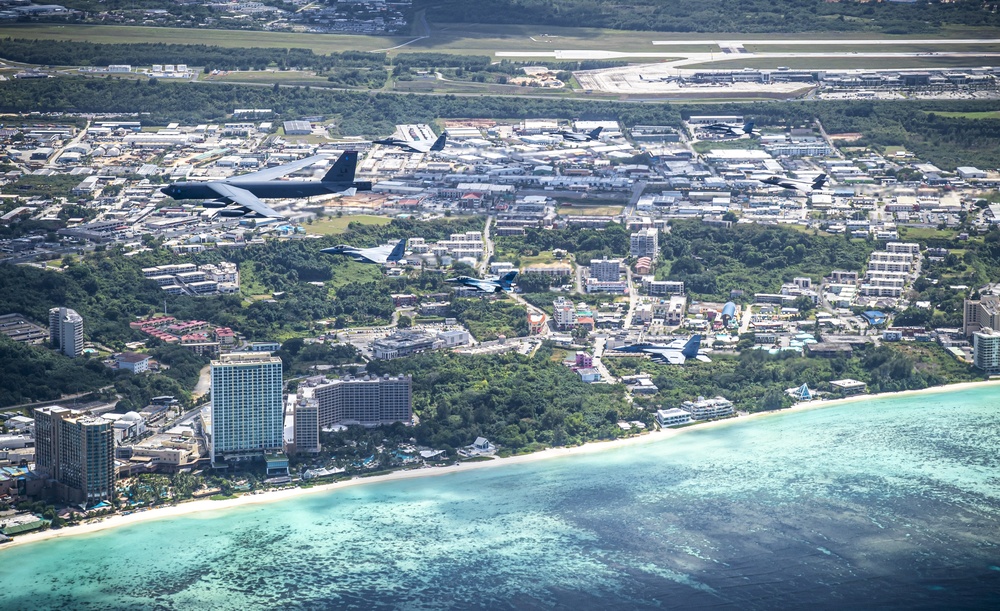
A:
<point x="487" y="285"/>
<point x="417" y="146"/>
<point x="379" y="255"/>
<point x="593" y="134"/>
<point x="240" y="195"/>
<point x="674" y="353"/>
<point x="732" y="130"/>
<point x="805" y="186"/>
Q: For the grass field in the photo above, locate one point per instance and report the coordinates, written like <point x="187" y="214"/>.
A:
<point x="926" y="233"/>
<point x="353" y="273"/>
<point x="988" y="114"/>
<point x="338" y="225"/>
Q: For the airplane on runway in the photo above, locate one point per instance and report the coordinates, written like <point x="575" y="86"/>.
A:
<point x="733" y="130"/>
<point x="487" y="285"/>
<point x="416" y="146"/>
<point x="674" y="353"/>
<point x="660" y="79"/>
<point x="379" y="255"/>
<point x="577" y="137"/>
<point x="804" y="186"/>
<point x="239" y="196"/>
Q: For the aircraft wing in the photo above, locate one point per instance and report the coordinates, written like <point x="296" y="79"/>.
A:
<point x="484" y="285"/>
<point x="377" y="254"/>
<point x="243" y="198"/>
<point x="277" y="171"/>
<point x="671" y="357"/>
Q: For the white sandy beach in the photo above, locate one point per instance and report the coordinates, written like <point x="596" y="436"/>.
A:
<point x="197" y="506"/>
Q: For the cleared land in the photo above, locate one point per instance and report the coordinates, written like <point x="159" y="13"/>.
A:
<point x="584" y="210"/>
<point x="285" y="77"/>
<point x="337" y="225"/>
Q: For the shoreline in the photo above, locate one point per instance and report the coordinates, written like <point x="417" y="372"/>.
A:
<point x="207" y="505"/>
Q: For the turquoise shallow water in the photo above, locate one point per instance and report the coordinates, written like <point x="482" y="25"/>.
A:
<point x="889" y="503"/>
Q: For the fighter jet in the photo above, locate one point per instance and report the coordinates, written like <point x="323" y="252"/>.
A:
<point x="239" y="195"/>
<point x="487" y="285"/>
<point x="577" y="137"/>
<point x="674" y="353"/>
<point x="380" y="255"/>
<point x="804" y="186"/>
<point x="732" y="130"/>
<point x="416" y="146"/>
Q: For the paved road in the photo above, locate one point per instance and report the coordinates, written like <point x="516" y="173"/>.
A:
<point x="637" y="190"/>
<point x="487" y="247"/>
<point x="599" y="363"/>
<point x="633" y="299"/>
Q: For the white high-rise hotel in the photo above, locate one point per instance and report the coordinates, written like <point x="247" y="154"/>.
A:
<point x="247" y="410"/>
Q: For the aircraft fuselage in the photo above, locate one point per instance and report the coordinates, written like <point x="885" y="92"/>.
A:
<point x="264" y="189"/>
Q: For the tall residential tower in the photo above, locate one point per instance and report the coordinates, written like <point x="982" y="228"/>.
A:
<point x="66" y="331"/>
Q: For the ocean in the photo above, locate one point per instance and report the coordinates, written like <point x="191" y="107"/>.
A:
<point x="889" y="503"/>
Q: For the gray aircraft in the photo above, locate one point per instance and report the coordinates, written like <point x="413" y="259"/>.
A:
<point x="661" y="79"/>
<point x="487" y="285"/>
<point x="577" y="137"/>
<point x="417" y="146"/>
<point x="379" y="255"/>
<point x="672" y="354"/>
<point x="805" y="186"/>
<point x="732" y="130"/>
<point x="240" y="195"/>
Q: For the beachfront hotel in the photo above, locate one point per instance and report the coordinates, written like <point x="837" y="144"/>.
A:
<point x="247" y="415"/>
<point x="986" y="350"/>
<point x="76" y="452"/>
<point x="370" y="401"/>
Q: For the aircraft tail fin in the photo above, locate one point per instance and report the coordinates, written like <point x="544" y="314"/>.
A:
<point x="440" y="142"/>
<point x="691" y="347"/>
<point x="344" y="168"/>
<point x="819" y="182"/>
<point x="398" y="251"/>
<point x="748" y="127"/>
<point x="507" y="279"/>
<point x="596" y="132"/>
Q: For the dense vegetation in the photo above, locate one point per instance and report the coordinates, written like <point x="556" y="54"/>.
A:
<point x="71" y="53"/>
<point x="585" y="244"/>
<point x="747" y="16"/>
<point x="487" y="319"/>
<point x="523" y="404"/>
<point x="756" y="380"/>
<point x="944" y="141"/>
<point x="755" y="258"/>
<point x="34" y="373"/>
